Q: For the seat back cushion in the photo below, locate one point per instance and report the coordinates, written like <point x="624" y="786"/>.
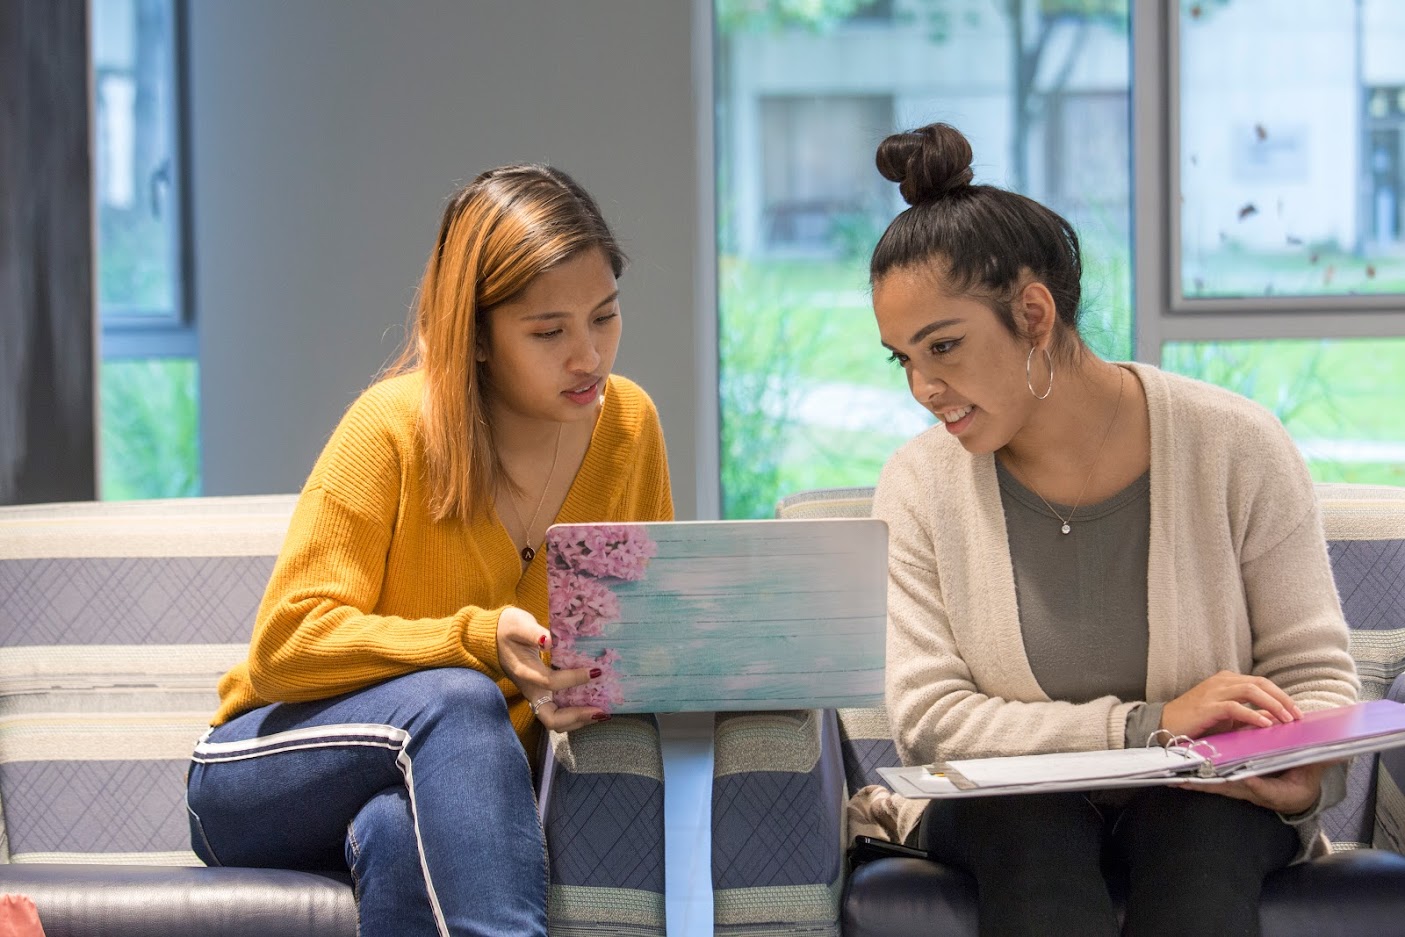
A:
<point x="1365" y="528"/>
<point x="116" y="622"/>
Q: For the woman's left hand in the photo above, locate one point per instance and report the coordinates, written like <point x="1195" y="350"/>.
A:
<point x="1288" y="792"/>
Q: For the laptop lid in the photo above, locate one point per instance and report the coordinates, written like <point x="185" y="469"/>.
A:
<point x="700" y="616"/>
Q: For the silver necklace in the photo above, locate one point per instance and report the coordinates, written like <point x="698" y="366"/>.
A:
<point x="1067" y="521"/>
<point x="527" y="553"/>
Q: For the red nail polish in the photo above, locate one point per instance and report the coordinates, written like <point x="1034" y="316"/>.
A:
<point x="600" y="717"/>
<point x="541" y="642"/>
<point x="595" y="672"/>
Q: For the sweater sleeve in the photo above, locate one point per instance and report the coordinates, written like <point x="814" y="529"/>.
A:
<point x="935" y="705"/>
<point x="316" y="635"/>
<point x="1299" y="632"/>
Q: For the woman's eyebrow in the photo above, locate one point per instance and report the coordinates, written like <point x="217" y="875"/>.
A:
<point x="561" y="314"/>
<point x="931" y="327"/>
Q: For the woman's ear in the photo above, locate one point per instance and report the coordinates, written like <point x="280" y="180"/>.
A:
<point x="1036" y="307"/>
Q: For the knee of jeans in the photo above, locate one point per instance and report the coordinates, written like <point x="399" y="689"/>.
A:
<point x="458" y="691"/>
<point x="385" y="825"/>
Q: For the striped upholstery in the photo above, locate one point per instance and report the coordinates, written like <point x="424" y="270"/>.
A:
<point x="116" y="621"/>
<point x="602" y="809"/>
<point x="777" y="803"/>
<point x="1365" y="528"/>
<point x="777" y="800"/>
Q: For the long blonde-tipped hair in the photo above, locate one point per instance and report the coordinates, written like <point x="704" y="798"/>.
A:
<point x="498" y="233"/>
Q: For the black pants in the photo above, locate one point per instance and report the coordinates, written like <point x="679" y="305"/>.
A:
<point x="1195" y="861"/>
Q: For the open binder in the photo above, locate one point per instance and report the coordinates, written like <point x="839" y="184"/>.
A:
<point x="1325" y="735"/>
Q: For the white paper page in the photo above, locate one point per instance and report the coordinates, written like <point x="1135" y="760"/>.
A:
<point x="1074" y="766"/>
<point x="916" y="783"/>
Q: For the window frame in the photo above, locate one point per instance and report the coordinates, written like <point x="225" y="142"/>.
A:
<point x="1163" y="312"/>
<point x="132" y="332"/>
<point x="1161" y="315"/>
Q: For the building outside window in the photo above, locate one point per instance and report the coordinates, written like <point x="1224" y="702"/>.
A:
<point x="1281" y="245"/>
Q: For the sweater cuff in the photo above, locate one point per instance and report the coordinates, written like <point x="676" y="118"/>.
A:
<point x="1333" y="793"/>
<point x="480" y="639"/>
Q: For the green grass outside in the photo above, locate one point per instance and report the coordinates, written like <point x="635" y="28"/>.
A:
<point x="149" y="418"/>
<point x="1306" y="271"/>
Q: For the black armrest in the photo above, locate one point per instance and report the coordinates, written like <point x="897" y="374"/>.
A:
<point x="154" y="901"/>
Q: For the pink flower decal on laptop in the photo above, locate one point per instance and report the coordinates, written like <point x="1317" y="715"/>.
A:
<point x="581" y="563"/>
<point x="619" y="551"/>
<point x="603" y="692"/>
<point x="580" y="606"/>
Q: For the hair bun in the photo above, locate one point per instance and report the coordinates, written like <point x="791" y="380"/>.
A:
<point x="927" y="163"/>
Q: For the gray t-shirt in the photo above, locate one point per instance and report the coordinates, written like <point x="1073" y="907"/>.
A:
<point x="1083" y="611"/>
<point x="1082" y="595"/>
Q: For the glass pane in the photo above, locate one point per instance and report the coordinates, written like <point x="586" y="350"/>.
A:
<point x="1340" y="400"/>
<point x="805" y="92"/>
<point x="1292" y="150"/>
<point x="150" y="428"/>
<point x="135" y="186"/>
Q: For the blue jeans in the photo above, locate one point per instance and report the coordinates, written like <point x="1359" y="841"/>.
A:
<point x="418" y="785"/>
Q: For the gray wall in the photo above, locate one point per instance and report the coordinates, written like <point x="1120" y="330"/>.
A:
<point x="325" y="137"/>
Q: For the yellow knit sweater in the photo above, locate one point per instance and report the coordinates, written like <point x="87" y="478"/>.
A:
<point x="368" y="587"/>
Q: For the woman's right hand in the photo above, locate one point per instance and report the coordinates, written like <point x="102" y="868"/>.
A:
<point x="521" y="640"/>
<point x="1226" y="700"/>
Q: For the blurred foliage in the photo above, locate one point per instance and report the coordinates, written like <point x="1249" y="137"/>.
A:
<point x="764" y="345"/>
<point x="150" y="428"/>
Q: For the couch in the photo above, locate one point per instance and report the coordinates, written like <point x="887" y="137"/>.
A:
<point x="1359" y="889"/>
<point x="116" y="621"/>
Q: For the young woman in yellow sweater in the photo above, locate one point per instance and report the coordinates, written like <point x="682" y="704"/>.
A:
<point x="396" y="677"/>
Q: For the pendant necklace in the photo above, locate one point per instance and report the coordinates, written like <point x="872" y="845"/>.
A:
<point x="1067" y="521"/>
<point x="527" y="553"/>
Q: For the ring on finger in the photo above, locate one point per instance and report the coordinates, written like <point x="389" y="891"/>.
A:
<point x="538" y="703"/>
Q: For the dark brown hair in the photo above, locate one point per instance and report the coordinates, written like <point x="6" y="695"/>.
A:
<point x="988" y="241"/>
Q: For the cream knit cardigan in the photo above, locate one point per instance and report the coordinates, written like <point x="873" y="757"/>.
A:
<point x="1238" y="579"/>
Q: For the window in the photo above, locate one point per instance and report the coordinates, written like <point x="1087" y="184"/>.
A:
<point x="804" y="94"/>
<point x="1290" y="148"/>
<point x="148" y="374"/>
<point x="1286" y="260"/>
<point x="1243" y="223"/>
<point x="1340" y="400"/>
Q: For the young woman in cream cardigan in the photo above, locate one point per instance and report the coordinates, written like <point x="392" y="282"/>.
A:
<point x="396" y="682"/>
<point x="1083" y="553"/>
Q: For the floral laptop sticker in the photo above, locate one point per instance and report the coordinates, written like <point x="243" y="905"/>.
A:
<point x="720" y="615"/>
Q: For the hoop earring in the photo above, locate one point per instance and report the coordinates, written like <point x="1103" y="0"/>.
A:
<point x="1029" y="379"/>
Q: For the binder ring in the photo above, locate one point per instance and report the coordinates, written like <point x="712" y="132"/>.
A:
<point x="1155" y="738"/>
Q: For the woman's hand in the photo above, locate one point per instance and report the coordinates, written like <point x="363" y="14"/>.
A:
<point x="1287" y="792"/>
<point x="1226" y="700"/>
<point x="521" y="641"/>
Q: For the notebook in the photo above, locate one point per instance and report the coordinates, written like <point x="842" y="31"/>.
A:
<point x="1324" y="735"/>
<point x="697" y="616"/>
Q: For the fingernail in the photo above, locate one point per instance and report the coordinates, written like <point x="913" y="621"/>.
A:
<point x="595" y="672"/>
<point x="541" y="642"/>
<point x="600" y="717"/>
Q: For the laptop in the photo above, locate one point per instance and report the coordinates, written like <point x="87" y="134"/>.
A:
<point x="704" y="616"/>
